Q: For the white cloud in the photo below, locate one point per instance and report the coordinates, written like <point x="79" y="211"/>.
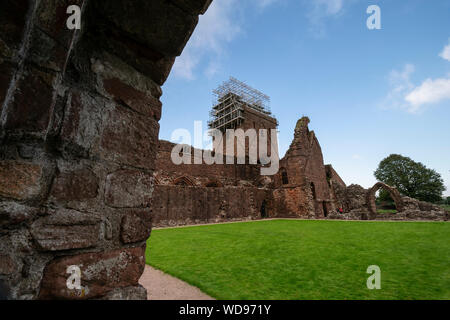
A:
<point x="320" y="10"/>
<point x="430" y="91"/>
<point x="216" y="29"/>
<point x="401" y="85"/>
<point x="413" y="98"/>
<point x="445" y="54"/>
<point x="404" y="94"/>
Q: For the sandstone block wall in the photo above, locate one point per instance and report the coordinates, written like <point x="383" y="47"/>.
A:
<point x="79" y="136"/>
<point x="184" y="205"/>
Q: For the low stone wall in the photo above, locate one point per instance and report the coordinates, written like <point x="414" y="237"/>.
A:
<point x="184" y="205"/>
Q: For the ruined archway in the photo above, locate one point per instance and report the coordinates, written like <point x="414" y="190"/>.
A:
<point x="183" y="181"/>
<point x="79" y="135"/>
<point x="371" y="194"/>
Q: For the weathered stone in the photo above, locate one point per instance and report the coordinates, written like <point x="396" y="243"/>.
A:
<point x="6" y="73"/>
<point x="193" y="6"/>
<point x="136" y="226"/>
<point x="128" y="189"/>
<point x="57" y="108"/>
<point x="7" y="265"/>
<point x="135" y="99"/>
<point x="47" y="52"/>
<point x="127" y="293"/>
<point x="13" y="16"/>
<point x="129" y="138"/>
<point x="30" y="107"/>
<point x="75" y="185"/>
<point x="51" y="16"/>
<point x="12" y="213"/>
<point x="82" y="123"/>
<point x="393" y="192"/>
<point x="20" y="180"/>
<point x="100" y="273"/>
<point x="66" y="229"/>
<point x="169" y="32"/>
<point x="149" y="62"/>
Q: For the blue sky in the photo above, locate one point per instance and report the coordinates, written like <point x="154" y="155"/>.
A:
<point x="368" y="93"/>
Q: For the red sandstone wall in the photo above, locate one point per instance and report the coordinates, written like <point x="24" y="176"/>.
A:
<point x="182" y="205"/>
<point x="304" y="166"/>
<point x="201" y="174"/>
<point x="79" y="136"/>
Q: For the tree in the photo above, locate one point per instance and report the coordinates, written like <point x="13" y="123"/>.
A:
<point x="411" y="178"/>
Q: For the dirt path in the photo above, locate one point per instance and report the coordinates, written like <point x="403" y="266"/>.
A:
<point x="161" y="286"/>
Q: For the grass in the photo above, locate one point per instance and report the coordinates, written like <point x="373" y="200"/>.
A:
<point x="446" y="206"/>
<point x="295" y="259"/>
<point x="386" y="211"/>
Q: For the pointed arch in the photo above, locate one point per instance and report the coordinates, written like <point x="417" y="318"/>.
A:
<point x="183" y="181"/>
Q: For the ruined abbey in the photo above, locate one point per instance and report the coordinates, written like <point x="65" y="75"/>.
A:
<point x="82" y="172"/>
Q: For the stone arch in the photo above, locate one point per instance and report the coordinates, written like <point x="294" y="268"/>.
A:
<point x="183" y="181"/>
<point x="370" y="198"/>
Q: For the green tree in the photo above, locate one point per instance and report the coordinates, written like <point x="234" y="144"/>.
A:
<point x="411" y="178"/>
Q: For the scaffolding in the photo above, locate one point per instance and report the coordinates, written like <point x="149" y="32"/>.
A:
<point x="230" y="98"/>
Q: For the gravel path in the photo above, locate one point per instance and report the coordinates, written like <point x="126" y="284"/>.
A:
<point x="161" y="286"/>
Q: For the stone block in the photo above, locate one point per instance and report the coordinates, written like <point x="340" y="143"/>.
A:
<point x="129" y="138"/>
<point x="51" y="16"/>
<point x="13" y="15"/>
<point x="13" y="213"/>
<point x="20" y="180"/>
<point x="30" y="107"/>
<point x="195" y="7"/>
<point x="129" y="189"/>
<point x="136" y="226"/>
<point x="134" y="99"/>
<point x="127" y="293"/>
<point x="66" y="229"/>
<point x="167" y="32"/>
<point x="6" y="74"/>
<point x="101" y="273"/>
<point x="82" y="123"/>
<point x="7" y="265"/>
<point x="75" y="185"/>
<point x="46" y="52"/>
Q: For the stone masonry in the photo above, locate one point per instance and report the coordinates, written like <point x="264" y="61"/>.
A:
<point x="79" y="112"/>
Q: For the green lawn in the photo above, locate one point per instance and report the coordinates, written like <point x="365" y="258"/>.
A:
<point x="294" y="259"/>
<point x="381" y="211"/>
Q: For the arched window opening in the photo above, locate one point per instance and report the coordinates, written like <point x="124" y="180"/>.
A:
<point x="183" y="182"/>
<point x="284" y="176"/>
<point x="264" y="210"/>
<point x="313" y="190"/>
<point x="325" y="210"/>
